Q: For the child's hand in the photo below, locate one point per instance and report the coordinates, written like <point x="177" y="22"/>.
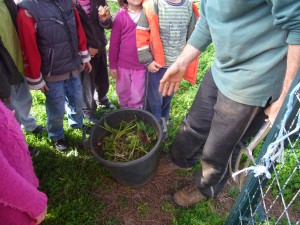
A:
<point x="92" y="51"/>
<point x="44" y="88"/>
<point x="114" y="73"/>
<point x="41" y="217"/>
<point x="87" y="66"/>
<point x="153" y="67"/>
<point x="103" y="12"/>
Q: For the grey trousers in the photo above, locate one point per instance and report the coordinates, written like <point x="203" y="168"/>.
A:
<point x="21" y="103"/>
<point x="211" y="131"/>
<point x="96" y="81"/>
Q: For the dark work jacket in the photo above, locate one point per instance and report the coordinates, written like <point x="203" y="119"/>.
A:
<point x="56" y="34"/>
<point x="94" y="30"/>
<point x="9" y="74"/>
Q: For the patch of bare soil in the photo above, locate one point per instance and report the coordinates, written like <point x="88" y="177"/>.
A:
<point x="142" y="205"/>
<point x="276" y="209"/>
<point x="151" y="203"/>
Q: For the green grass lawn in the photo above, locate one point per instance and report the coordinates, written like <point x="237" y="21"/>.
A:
<point x="69" y="179"/>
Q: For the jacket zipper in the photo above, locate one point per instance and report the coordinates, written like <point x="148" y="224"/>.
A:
<point x="57" y="21"/>
<point x="60" y="9"/>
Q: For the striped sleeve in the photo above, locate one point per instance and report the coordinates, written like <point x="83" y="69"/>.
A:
<point x="143" y="40"/>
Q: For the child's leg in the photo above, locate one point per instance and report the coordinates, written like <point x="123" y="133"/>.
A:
<point x="55" y="109"/>
<point x="166" y="106"/>
<point x="137" y="88"/>
<point x="21" y="103"/>
<point x="101" y="76"/>
<point x="158" y="105"/>
<point x="123" y="84"/>
<point x="74" y="102"/>
<point x="88" y="90"/>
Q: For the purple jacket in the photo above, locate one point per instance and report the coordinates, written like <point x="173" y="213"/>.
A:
<point x="122" y="47"/>
<point x="20" y="200"/>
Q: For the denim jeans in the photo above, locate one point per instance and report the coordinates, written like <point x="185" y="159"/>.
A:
<point x="155" y="103"/>
<point x="211" y="130"/>
<point x="63" y="96"/>
<point x="21" y="103"/>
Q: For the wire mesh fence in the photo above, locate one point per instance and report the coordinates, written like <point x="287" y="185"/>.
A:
<point x="271" y="192"/>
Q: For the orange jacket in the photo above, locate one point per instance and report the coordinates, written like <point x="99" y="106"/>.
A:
<point x="149" y="42"/>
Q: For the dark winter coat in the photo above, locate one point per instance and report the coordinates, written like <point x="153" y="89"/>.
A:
<point x="93" y="28"/>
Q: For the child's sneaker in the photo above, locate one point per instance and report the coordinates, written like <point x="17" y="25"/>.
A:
<point x="61" y="145"/>
<point x="33" y="151"/>
<point x="107" y="104"/>
<point x="38" y="130"/>
<point x="92" y="118"/>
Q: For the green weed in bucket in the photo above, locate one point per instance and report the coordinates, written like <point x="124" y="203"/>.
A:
<point x="130" y="141"/>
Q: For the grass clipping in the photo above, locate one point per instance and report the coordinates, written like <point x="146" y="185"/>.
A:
<point x="130" y="141"/>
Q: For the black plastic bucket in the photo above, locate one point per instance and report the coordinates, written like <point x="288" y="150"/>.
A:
<point x="132" y="173"/>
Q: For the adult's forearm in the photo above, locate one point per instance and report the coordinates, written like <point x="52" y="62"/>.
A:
<point x="188" y="55"/>
<point x="293" y="64"/>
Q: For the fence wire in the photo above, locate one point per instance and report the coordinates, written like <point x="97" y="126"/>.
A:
<point x="271" y="192"/>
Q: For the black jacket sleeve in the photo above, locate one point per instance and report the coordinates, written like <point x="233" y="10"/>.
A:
<point x="9" y="74"/>
<point x="88" y="28"/>
<point x="5" y="89"/>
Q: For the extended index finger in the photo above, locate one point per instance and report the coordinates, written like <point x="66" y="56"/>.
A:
<point x="161" y="87"/>
<point x="162" y="83"/>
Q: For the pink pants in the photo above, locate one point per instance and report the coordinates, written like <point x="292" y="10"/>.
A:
<point x="130" y="87"/>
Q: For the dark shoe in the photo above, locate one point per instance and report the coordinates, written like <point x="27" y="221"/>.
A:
<point x="61" y="145"/>
<point x="38" y="130"/>
<point x="166" y="166"/>
<point x="188" y="196"/>
<point x="92" y="119"/>
<point x="33" y="151"/>
<point x="107" y="104"/>
<point x="86" y="128"/>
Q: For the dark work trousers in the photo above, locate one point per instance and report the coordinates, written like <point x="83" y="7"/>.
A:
<point x="211" y="130"/>
<point x="97" y="81"/>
